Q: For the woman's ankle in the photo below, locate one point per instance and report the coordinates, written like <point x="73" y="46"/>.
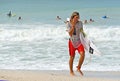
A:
<point x="72" y="73"/>
<point x="78" y="67"/>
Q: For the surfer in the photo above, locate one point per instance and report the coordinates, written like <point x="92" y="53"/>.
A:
<point x="91" y="20"/>
<point x="104" y="17"/>
<point x="85" y="22"/>
<point x="73" y="28"/>
<point x="19" y="18"/>
<point x="9" y="14"/>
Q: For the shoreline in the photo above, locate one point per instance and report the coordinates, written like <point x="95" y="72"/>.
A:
<point x="57" y="75"/>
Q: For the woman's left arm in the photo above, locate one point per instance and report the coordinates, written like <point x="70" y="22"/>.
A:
<point x="81" y="30"/>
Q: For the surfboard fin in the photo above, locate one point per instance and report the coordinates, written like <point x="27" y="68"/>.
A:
<point x="91" y="50"/>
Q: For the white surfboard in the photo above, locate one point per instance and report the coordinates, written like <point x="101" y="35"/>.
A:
<point x="89" y="45"/>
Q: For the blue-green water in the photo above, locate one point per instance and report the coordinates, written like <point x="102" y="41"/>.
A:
<point x="38" y="41"/>
<point x="45" y="11"/>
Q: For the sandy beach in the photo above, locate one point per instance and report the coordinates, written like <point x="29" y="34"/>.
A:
<point x="34" y="43"/>
<point x="27" y="75"/>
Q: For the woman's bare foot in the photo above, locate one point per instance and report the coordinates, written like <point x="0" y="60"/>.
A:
<point x="72" y="74"/>
<point x="78" y="70"/>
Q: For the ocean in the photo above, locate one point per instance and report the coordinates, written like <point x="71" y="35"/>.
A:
<point x="40" y="42"/>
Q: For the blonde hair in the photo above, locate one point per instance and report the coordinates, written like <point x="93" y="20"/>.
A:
<point x="73" y="15"/>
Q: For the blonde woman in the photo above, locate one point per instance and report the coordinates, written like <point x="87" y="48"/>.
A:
<point x="74" y="26"/>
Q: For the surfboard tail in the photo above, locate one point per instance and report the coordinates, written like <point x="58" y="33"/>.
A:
<point x="96" y="51"/>
<point x="89" y="45"/>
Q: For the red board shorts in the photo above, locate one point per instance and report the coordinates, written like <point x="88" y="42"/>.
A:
<point x="72" y="49"/>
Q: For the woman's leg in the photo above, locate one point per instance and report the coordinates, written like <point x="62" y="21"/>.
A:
<point x="71" y="65"/>
<point x="71" y="59"/>
<point x="81" y="59"/>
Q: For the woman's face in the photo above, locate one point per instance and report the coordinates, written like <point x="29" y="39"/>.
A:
<point x="76" y="18"/>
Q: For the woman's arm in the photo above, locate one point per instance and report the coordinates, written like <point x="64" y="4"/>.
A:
<point x="71" y="31"/>
<point x="72" y="28"/>
<point x="81" y="30"/>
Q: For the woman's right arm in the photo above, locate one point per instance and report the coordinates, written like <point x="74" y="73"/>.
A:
<point x="72" y="27"/>
<point x="71" y="31"/>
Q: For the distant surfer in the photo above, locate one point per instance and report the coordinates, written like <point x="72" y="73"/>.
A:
<point x="19" y="18"/>
<point x="58" y="18"/>
<point x="9" y="14"/>
<point x="68" y="19"/>
<point x="85" y="22"/>
<point x="73" y="28"/>
<point x="91" y="20"/>
<point x="105" y="17"/>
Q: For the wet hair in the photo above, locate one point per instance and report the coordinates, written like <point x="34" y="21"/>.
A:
<point x="74" y="14"/>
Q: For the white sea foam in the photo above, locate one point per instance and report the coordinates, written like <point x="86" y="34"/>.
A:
<point x="31" y="33"/>
<point x="44" y="47"/>
<point x="38" y="32"/>
<point x="30" y="43"/>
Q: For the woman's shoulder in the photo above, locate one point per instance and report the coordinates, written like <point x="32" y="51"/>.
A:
<point x="80" y="23"/>
<point x="68" y="24"/>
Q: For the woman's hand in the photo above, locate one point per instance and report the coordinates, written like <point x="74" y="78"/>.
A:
<point x="81" y="30"/>
<point x="74" y="21"/>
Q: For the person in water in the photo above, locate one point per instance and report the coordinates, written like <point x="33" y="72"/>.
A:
<point x="19" y="18"/>
<point x="9" y="14"/>
<point x="85" y="22"/>
<point x="105" y="17"/>
<point x="91" y="20"/>
<point x="74" y="26"/>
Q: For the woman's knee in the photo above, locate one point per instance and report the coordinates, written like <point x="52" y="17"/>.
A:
<point x="72" y="57"/>
<point x="82" y="54"/>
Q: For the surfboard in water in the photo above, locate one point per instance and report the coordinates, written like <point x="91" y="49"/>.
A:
<point x="89" y="45"/>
